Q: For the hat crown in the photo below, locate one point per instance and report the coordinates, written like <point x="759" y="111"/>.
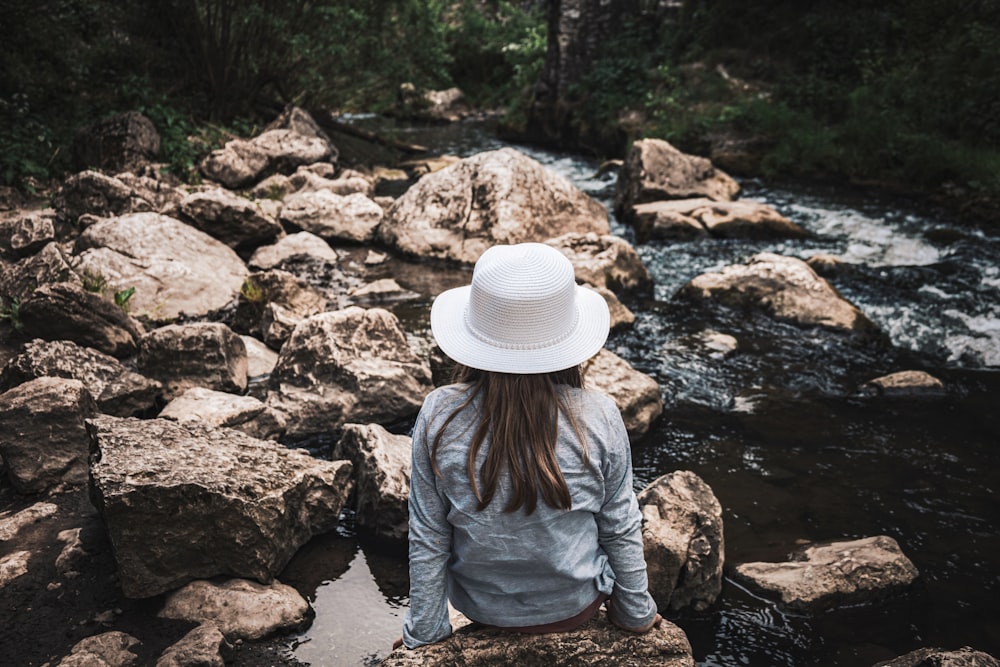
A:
<point x="522" y="297"/>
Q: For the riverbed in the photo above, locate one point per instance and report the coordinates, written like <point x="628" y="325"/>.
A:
<point x="780" y="432"/>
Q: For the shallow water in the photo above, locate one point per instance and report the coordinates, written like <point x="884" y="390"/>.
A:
<point x="780" y="435"/>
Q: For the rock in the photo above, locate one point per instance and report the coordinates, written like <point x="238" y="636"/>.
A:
<point x="275" y="187"/>
<point x="236" y="221"/>
<point x="202" y="647"/>
<point x="684" y="544"/>
<point x="202" y="354"/>
<point x="120" y="143"/>
<point x="184" y="501"/>
<point x="238" y="164"/>
<point x="784" y="288"/>
<point x="261" y="359"/>
<point x="118" y="390"/>
<point x="352" y="218"/>
<point x="219" y="409"/>
<point x="73" y="552"/>
<point x="382" y="290"/>
<point x="444" y="105"/>
<point x="162" y="191"/>
<point x="293" y="246"/>
<point x="12" y="566"/>
<point x="621" y="316"/>
<point x="42" y="436"/>
<point x="636" y="394"/>
<point x="654" y="170"/>
<point x="350" y="365"/>
<point x="111" y="649"/>
<point x="296" y="300"/>
<point x="604" y="261"/>
<point x="91" y="192"/>
<point x="595" y="643"/>
<point x="495" y="197"/>
<point x="19" y="280"/>
<point x="381" y="463"/>
<point x="174" y="267"/>
<point x="11" y="525"/>
<point x="905" y="384"/>
<point x="240" y="609"/>
<point x="939" y="657"/>
<point x="306" y="179"/>
<point x="66" y="311"/>
<point x="688" y="218"/>
<point x="26" y="235"/>
<point x="822" y="576"/>
<point x="828" y="266"/>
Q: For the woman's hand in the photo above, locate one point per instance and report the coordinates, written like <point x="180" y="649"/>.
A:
<point x="655" y="623"/>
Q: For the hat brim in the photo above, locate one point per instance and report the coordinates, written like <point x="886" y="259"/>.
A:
<point x="451" y="331"/>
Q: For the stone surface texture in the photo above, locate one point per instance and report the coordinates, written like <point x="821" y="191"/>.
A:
<point x="202" y="647"/>
<point x="202" y="354"/>
<point x="636" y="394"/>
<point x="690" y="218"/>
<point x="352" y="217"/>
<point x="298" y="245"/>
<point x="240" y="223"/>
<point x="110" y="649"/>
<point x="604" y="261"/>
<point x="220" y="409"/>
<point x="965" y="656"/>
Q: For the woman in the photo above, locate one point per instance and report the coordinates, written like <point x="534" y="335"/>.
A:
<point x="522" y="511"/>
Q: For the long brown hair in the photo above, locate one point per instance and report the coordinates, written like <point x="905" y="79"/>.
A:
<point x="521" y="414"/>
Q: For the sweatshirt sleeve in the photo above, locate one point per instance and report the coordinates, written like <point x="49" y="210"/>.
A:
<point x="619" y="526"/>
<point x="427" y="619"/>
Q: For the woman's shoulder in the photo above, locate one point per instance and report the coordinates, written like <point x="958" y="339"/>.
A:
<point x="445" y="396"/>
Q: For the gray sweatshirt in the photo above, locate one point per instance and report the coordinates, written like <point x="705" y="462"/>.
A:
<point x="515" y="569"/>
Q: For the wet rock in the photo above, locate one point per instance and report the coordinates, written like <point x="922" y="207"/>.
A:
<point x="202" y="354"/>
<point x="636" y="394"/>
<point x="261" y="359"/>
<point x="12" y="566"/>
<point x="111" y="649"/>
<point x="604" y="261"/>
<point x="381" y="463"/>
<point x="184" y="501"/>
<point x="11" y="524"/>
<point x="26" y="235"/>
<point x="174" y="267"/>
<point x="202" y="647"/>
<point x="494" y="197"/>
<point x="621" y="316"/>
<point x="296" y="298"/>
<point x="93" y="193"/>
<point x="350" y="365"/>
<point x="655" y="170"/>
<point x="293" y="246"/>
<point x="66" y="311"/>
<point x="822" y="576"/>
<point x="118" y="390"/>
<point x="240" y="609"/>
<point x="784" y="288"/>
<point x="684" y="544"/>
<point x="742" y="219"/>
<point x="595" y="643"/>
<point x="353" y="217"/>
<point x="120" y="143"/>
<point x="19" y="280"/>
<point x="219" y="409"/>
<point x="238" y="222"/>
<point x="905" y="384"/>
<point x="939" y="657"/>
<point x="828" y="266"/>
<point x="43" y="440"/>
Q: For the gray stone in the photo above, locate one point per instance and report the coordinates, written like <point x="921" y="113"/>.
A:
<point x="939" y="657"/>
<point x="162" y="191"/>
<point x="306" y="179"/>
<point x="821" y="576"/>
<point x="689" y="218"/>
<point x="202" y="647"/>
<point x="684" y="544"/>
<point x="297" y="299"/>
<point x="202" y="354"/>
<point x="905" y="384"/>
<point x="240" y="609"/>
<point x="26" y="235"/>
<point x="381" y="463"/>
<point x="299" y="245"/>
<point x="11" y="524"/>
<point x="240" y="223"/>
<point x="636" y="394"/>
<point x="12" y="566"/>
<point x="220" y="409"/>
<point x="120" y="143"/>
<point x="604" y="261"/>
<point x="495" y="197"/>
<point x="111" y="649"/>
<point x="261" y="359"/>
<point x="94" y="193"/>
<point x="353" y="217"/>
<point x="19" y="280"/>
<point x="43" y="440"/>
<point x="184" y="501"/>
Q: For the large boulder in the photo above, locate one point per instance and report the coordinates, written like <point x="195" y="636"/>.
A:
<point x="26" y="235"/>
<point x="109" y="649"/>
<point x="174" y="267"/>
<point x="202" y="354"/>
<point x="223" y="410"/>
<point x="184" y="502"/>
<point x="939" y="657"/>
<point x="19" y="280"/>
<point x="604" y="261"/>
<point x="636" y="394"/>
<point x="784" y="288"/>
<point x="66" y="311"/>
<point x="94" y="193"/>
<point x="43" y="440"/>
<point x="496" y="197"/>
<point x="595" y="643"/>
<point x="350" y="365"/>
<point x="120" y="143"/>
<point x="118" y="390"/>
<point x="691" y="218"/>
<point x="381" y="463"/>
<point x="654" y="170"/>
<point x="240" y="223"/>
<point x="822" y="576"/>
<point x="683" y="539"/>
<point x="298" y="246"/>
<point x="352" y="217"/>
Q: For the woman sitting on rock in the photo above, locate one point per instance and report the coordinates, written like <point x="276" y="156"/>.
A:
<point x="522" y="511"/>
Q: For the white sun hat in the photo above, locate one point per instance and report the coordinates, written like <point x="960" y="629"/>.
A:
<point x="523" y="313"/>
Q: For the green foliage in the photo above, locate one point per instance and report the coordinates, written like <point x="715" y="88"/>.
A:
<point x="12" y="313"/>
<point x="122" y="297"/>
<point x="93" y="281"/>
<point x="252" y="292"/>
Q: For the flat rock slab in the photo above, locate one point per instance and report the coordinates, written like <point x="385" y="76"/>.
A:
<point x="222" y="409"/>
<point x="829" y="575"/>
<point x="604" y="261"/>
<point x="185" y="502"/>
<point x="692" y="218"/>
<point x="294" y="246"/>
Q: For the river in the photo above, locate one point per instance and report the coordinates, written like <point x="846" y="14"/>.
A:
<point x="780" y="434"/>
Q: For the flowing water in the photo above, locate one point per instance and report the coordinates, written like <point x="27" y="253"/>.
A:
<point x="780" y="433"/>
